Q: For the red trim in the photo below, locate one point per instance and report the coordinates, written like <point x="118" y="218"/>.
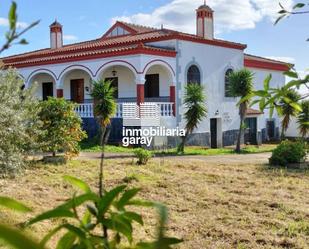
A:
<point x="140" y="93"/>
<point x="59" y="93"/>
<point x="266" y="65"/>
<point x="77" y="65"/>
<point x="159" y="61"/>
<point x="173" y="98"/>
<point x="42" y="69"/>
<point x="97" y="56"/>
<point x="121" y="25"/>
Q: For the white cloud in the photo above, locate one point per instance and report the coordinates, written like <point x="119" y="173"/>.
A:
<point x="4" y="22"/>
<point x="229" y="14"/>
<point x="70" y="37"/>
<point x="282" y="58"/>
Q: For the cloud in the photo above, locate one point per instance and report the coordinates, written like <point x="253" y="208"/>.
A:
<point x="282" y="58"/>
<point x="70" y="37"/>
<point x="4" y="22"/>
<point x="230" y="15"/>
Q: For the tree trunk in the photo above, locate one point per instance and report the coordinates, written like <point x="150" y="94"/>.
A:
<point x="282" y="133"/>
<point x="242" y="115"/>
<point x="181" y="146"/>
<point x="54" y="153"/>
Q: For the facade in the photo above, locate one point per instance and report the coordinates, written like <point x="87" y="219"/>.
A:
<point x="150" y="68"/>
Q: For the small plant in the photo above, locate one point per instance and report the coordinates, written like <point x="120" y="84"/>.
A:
<point x="142" y="155"/>
<point x="61" y="126"/>
<point x="104" y="222"/>
<point x="289" y="152"/>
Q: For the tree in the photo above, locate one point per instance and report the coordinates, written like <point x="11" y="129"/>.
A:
<point x="288" y="111"/>
<point x="303" y="119"/>
<point x="61" y="126"/>
<point x="19" y="125"/>
<point x="194" y="102"/>
<point x="104" y="109"/>
<point x="241" y="85"/>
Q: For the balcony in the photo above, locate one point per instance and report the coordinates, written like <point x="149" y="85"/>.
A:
<point x="127" y="110"/>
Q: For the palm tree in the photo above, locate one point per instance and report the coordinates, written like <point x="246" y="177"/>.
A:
<point x="303" y="119"/>
<point x="287" y="110"/>
<point x="241" y="85"/>
<point x="104" y="109"/>
<point x="194" y="101"/>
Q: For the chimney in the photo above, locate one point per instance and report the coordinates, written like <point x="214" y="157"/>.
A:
<point x="56" y="39"/>
<point x="205" y="22"/>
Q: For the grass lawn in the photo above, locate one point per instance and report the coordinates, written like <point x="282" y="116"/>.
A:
<point x="220" y="205"/>
<point x="189" y="150"/>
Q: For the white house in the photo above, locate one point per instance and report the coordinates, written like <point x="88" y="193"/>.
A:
<point x="149" y="65"/>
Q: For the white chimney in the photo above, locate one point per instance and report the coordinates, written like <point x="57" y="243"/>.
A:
<point x="56" y="39"/>
<point x="205" y="22"/>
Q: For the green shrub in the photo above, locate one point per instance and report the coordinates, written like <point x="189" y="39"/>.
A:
<point x="288" y="152"/>
<point x="19" y="123"/>
<point x="62" y="127"/>
<point x="142" y="155"/>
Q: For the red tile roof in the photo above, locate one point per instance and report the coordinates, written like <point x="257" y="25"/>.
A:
<point x="108" y="45"/>
<point x="251" y="111"/>
<point x="254" y="61"/>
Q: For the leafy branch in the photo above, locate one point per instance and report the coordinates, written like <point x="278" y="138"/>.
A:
<point x="13" y="36"/>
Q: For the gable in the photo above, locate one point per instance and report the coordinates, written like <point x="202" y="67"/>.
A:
<point x="119" y="29"/>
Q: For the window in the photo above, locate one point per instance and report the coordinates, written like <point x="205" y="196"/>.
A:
<point x="193" y="75"/>
<point x="114" y="81"/>
<point x="152" y="86"/>
<point x="227" y="83"/>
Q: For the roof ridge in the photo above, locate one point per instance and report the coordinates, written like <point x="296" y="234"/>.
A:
<point x="137" y="25"/>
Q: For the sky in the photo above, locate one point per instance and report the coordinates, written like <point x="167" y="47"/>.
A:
<point x="245" y="21"/>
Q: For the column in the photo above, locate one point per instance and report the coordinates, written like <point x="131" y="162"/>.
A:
<point x="59" y="89"/>
<point x="140" y="90"/>
<point x="173" y="98"/>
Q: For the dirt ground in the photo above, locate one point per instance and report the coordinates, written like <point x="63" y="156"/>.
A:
<point x="230" y="201"/>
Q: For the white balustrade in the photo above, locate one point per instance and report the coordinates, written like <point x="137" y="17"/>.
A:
<point x="131" y="110"/>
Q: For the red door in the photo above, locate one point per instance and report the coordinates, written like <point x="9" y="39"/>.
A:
<point x="77" y="90"/>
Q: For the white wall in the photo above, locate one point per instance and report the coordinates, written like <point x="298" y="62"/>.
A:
<point x="213" y="62"/>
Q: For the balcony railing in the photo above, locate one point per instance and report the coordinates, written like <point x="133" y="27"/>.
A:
<point x="164" y="109"/>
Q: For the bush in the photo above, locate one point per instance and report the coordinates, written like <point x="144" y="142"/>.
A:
<point x="288" y="152"/>
<point x="62" y="127"/>
<point x="142" y="155"/>
<point x="19" y="123"/>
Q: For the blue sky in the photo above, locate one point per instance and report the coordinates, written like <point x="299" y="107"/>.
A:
<point x="245" y="21"/>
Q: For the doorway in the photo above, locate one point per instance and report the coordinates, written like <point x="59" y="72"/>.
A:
<point x="213" y="133"/>
<point x="271" y="130"/>
<point x="48" y="91"/>
<point x="77" y="90"/>
<point x="152" y="86"/>
<point x="251" y="131"/>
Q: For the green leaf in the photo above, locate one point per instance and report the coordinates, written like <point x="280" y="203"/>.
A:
<point x="134" y="216"/>
<point x="261" y="93"/>
<point x="267" y="81"/>
<point x="12" y="16"/>
<point x="291" y="74"/>
<point x="296" y="106"/>
<point x="108" y="199"/>
<point x="78" y="200"/>
<point x="13" y="205"/>
<point x="126" y="197"/>
<point x="23" y="42"/>
<point x="78" y="183"/>
<point x="67" y="241"/>
<point x="55" y="213"/>
<point x="17" y="239"/>
<point x="279" y="18"/>
<point x="298" y="6"/>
